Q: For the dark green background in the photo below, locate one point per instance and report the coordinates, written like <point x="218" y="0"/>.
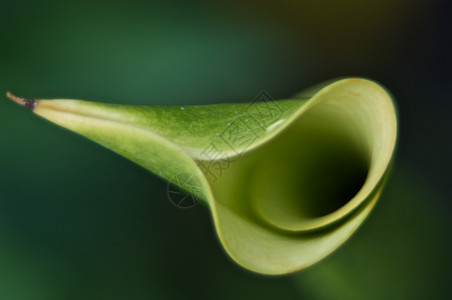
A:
<point x="80" y="222"/>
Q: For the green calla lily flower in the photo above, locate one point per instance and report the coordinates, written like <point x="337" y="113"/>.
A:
<point x="287" y="181"/>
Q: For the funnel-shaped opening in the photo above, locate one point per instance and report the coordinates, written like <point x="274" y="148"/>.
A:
<point x="291" y="201"/>
<point x="312" y="169"/>
<point x="321" y="167"/>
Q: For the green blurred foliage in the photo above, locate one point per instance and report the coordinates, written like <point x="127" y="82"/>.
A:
<point x="77" y="221"/>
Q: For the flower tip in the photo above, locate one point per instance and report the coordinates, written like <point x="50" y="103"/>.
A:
<point x="30" y="104"/>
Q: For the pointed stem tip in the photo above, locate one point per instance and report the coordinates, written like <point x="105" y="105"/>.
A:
<point x="30" y="104"/>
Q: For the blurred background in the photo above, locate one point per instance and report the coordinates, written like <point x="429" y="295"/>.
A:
<point x="80" y="222"/>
